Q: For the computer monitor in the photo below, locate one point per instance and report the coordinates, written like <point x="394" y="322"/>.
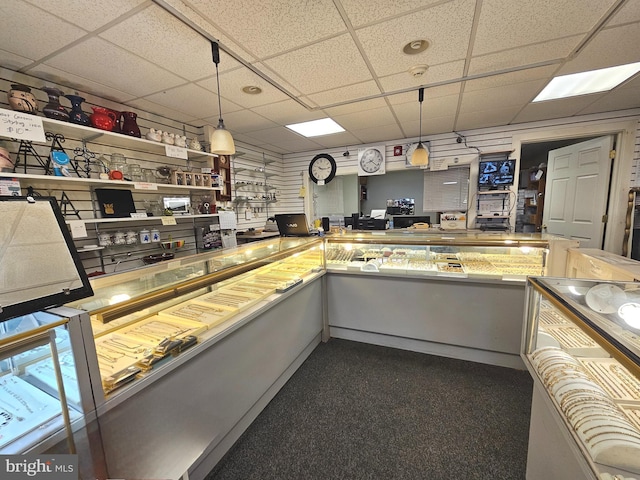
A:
<point x="292" y="225"/>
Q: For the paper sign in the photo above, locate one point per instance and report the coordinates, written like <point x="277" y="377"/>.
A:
<point x="21" y="126"/>
<point x="139" y="215"/>
<point x="78" y="228"/>
<point x="166" y="220"/>
<point x="9" y="187"/>
<point x="320" y="182"/>
<point x="176" y="152"/>
<point x="145" y="186"/>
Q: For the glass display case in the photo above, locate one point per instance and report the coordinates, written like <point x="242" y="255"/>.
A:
<point x="582" y="346"/>
<point x="465" y="255"/>
<point x="39" y="391"/>
<point x="144" y="319"/>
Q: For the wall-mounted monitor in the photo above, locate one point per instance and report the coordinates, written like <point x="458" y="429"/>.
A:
<point x="496" y="174"/>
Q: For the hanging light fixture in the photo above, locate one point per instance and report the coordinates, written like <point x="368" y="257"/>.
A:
<point x="420" y="156"/>
<point x="221" y="139"/>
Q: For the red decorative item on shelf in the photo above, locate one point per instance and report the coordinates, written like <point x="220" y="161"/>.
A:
<point x="129" y="125"/>
<point x="103" y="118"/>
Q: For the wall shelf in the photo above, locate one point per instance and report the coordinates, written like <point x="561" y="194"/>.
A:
<point x="141" y="219"/>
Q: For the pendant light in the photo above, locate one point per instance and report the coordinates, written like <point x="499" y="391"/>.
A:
<point x="420" y="156"/>
<point x="221" y="139"/>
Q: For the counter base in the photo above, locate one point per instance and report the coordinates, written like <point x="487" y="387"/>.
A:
<point x="431" y="348"/>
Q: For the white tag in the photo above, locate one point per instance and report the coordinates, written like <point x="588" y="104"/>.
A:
<point x="176" y="152"/>
<point x="78" y="228"/>
<point x="145" y="186"/>
<point x="166" y="220"/>
<point x="320" y="182"/>
<point x="139" y="215"/>
<point x="21" y="126"/>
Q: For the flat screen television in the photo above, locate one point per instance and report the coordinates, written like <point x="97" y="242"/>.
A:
<point x="496" y="174"/>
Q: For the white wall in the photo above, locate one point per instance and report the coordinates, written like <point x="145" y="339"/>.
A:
<point x="494" y="139"/>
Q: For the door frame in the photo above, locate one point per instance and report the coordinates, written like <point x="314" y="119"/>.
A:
<point x="625" y="134"/>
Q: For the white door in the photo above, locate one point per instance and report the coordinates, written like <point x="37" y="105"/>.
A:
<point x="575" y="197"/>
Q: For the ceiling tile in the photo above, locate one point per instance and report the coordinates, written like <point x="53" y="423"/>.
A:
<point x="522" y="56"/>
<point x="356" y="107"/>
<point x="74" y="82"/>
<point x="152" y="34"/>
<point x="435" y="74"/>
<point x="630" y="12"/>
<point x="193" y="100"/>
<point x="429" y="93"/>
<point x="87" y="15"/>
<point x="383" y="42"/>
<point x="36" y="33"/>
<point x="287" y="112"/>
<point x="348" y="93"/>
<point x="366" y="119"/>
<point x="322" y="66"/>
<point x="163" y="111"/>
<point x="378" y="134"/>
<point x="505" y="23"/>
<point x="619" y="99"/>
<point x="613" y="46"/>
<point x="377" y="10"/>
<point x="243" y="121"/>
<point x="281" y="136"/>
<point x="545" y="73"/>
<point x="565" y="107"/>
<point x="431" y="107"/>
<point x="342" y="139"/>
<point x="114" y="67"/>
<point x="487" y="118"/>
<point x="270" y="28"/>
<point x="507" y="95"/>
<point x="13" y="61"/>
<point x="435" y="125"/>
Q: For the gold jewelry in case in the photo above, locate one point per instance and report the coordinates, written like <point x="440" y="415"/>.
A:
<point x="617" y="425"/>
<point x="635" y="436"/>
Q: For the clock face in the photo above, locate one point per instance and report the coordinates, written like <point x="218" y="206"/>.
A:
<point x="371" y="160"/>
<point x="322" y="168"/>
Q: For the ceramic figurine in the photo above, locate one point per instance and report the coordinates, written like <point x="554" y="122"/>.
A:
<point x="155" y="135"/>
<point x="194" y="144"/>
<point x="168" y="138"/>
<point x="76" y="115"/>
<point x="180" y="141"/>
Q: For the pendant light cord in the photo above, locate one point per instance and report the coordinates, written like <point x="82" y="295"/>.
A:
<point x="220" y="103"/>
<point x="420" y="99"/>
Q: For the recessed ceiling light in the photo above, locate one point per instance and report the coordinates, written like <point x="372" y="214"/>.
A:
<point x="415" y="46"/>
<point x="584" y="83"/>
<point x="315" y="128"/>
<point x="252" y="90"/>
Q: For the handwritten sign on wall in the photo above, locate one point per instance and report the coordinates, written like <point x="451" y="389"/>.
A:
<point x="21" y="126"/>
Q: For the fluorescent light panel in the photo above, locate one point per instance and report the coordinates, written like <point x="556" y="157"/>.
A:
<point x="584" y="83"/>
<point x="316" y="128"/>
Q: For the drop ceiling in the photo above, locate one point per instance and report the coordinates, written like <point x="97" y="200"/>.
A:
<point x="486" y="61"/>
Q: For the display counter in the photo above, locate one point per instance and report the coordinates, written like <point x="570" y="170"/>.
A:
<point x="581" y="345"/>
<point x="600" y="265"/>
<point x="187" y="352"/>
<point x="459" y="295"/>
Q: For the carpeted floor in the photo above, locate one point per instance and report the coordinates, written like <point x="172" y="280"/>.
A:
<point x="358" y="411"/>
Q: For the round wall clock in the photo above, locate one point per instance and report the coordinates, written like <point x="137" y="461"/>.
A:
<point x="322" y="168"/>
<point x="371" y="161"/>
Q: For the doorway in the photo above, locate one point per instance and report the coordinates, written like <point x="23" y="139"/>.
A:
<point x="532" y="182"/>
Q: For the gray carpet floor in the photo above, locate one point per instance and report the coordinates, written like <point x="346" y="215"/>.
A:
<point x="359" y="411"/>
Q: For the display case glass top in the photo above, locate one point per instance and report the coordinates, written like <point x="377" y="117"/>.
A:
<point x="35" y="357"/>
<point x="144" y="319"/>
<point x="582" y="346"/>
<point x="464" y="255"/>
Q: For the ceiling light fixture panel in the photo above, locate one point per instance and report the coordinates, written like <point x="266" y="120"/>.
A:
<point x="584" y="83"/>
<point x="316" y="128"/>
